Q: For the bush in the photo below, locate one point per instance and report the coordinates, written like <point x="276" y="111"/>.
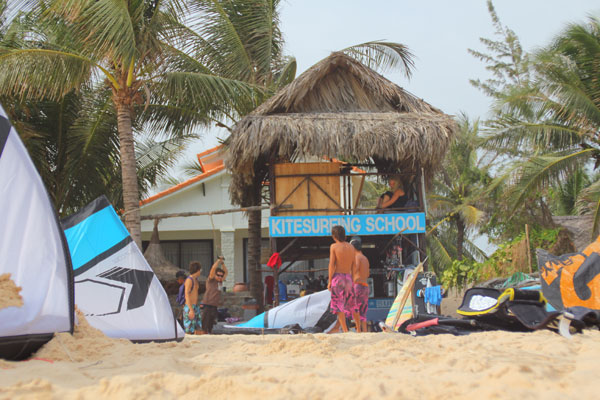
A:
<point x="460" y="274"/>
<point x="510" y="257"/>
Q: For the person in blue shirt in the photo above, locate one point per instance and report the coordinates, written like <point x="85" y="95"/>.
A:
<point x="180" y="276"/>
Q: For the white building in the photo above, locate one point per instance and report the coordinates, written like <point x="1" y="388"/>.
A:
<point x="186" y="239"/>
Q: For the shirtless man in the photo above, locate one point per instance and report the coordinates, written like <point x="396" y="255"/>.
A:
<point x="361" y="287"/>
<point x="341" y="269"/>
<point x="191" y="311"/>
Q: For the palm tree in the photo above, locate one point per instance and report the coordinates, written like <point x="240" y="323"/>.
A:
<point x="458" y="189"/>
<point x="140" y="50"/>
<point x="555" y="118"/>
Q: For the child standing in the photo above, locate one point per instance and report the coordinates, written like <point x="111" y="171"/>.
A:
<point x="191" y="311"/>
<point x="180" y="299"/>
<point x="341" y="269"/>
<point x="361" y="287"/>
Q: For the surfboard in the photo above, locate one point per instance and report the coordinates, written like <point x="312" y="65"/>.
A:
<point x="402" y="307"/>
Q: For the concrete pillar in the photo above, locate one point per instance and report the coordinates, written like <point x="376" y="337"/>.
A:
<point x="228" y="251"/>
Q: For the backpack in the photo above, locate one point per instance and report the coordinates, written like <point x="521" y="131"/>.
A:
<point x="181" y="296"/>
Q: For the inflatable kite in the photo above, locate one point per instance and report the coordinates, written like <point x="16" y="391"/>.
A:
<point x="114" y="286"/>
<point x="571" y="280"/>
<point x="310" y="312"/>
<point x="33" y="251"/>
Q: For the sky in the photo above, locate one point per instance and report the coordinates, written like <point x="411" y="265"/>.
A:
<point x="438" y="33"/>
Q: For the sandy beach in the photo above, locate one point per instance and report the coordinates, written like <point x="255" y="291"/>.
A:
<point x="9" y="293"/>
<point x="89" y="365"/>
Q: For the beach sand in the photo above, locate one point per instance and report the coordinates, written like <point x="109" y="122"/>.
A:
<point x="9" y="293"/>
<point x="342" y="366"/>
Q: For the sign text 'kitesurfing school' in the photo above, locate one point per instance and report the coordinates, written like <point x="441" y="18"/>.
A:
<point x="379" y="224"/>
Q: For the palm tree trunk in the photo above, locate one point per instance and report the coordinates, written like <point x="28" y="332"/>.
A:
<point x="460" y="238"/>
<point x="131" y="197"/>
<point x="254" y="246"/>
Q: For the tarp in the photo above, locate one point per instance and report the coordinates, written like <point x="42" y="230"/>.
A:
<point x="307" y="311"/>
<point x="33" y="250"/>
<point x="115" y="287"/>
<point x="571" y="280"/>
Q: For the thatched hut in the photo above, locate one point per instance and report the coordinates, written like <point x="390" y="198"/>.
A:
<point x="338" y="108"/>
<point x="342" y="109"/>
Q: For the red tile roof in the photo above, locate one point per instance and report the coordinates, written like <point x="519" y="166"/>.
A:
<point x="210" y="161"/>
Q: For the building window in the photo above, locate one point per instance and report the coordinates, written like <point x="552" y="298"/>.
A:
<point x="182" y="252"/>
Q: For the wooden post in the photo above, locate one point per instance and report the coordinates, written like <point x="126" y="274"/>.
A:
<point x="360" y="189"/>
<point x="528" y="248"/>
<point x="273" y="240"/>
<point x="276" y="286"/>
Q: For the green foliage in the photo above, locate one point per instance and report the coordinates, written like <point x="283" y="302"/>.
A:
<point x="545" y="115"/>
<point x="543" y="238"/>
<point x="564" y="198"/>
<point x="460" y="274"/>
<point x="456" y="201"/>
<point x="505" y="59"/>
<point x="502" y="262"/>
<point x="371" y="191"/>
<point x="551" y="119"/>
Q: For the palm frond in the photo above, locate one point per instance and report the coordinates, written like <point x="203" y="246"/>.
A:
<point x="470" y="214"/>
<point x="217" y="26"/>
<point x="191" y="168"/>
<point x="475" y="252"/>
<point x="154" y="158"/>
<point x="287" y="73"/>
<point x="40" y="73"/>
<point x="438" y="251"/>
<point x="104" y="26"/>
<point x="383" y="56"/>
<point x="544" y="170"/>
<point x="207" y="93"/>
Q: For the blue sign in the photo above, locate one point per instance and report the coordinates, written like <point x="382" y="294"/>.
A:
<point x="380" y="303"/>
<point x="372" y="224"/>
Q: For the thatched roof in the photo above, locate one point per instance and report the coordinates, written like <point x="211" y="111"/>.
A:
<point x="338" y="108"/>
<point x="579" y="227"/>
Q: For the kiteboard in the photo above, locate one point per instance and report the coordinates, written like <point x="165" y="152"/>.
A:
<point x="402" y="308"/>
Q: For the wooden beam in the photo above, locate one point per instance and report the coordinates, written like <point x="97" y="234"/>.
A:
<point x="216" y="212"/>
<point x="289" y="265"/>
<point x="290" y="244"/>
<point x="360" y="189"/>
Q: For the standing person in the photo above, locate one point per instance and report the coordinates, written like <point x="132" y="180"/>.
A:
<point x="212" y="296"/>
<point x="395" y="197"/>
<point x="191" y="311"/>
<point x="361" y="287"/>
<point x="341" y="269"/>
<point x="180" y="299"/>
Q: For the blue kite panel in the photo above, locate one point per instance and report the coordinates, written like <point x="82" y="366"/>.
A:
<point x="93" y="236"/>
<point x="256" y="322"/>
